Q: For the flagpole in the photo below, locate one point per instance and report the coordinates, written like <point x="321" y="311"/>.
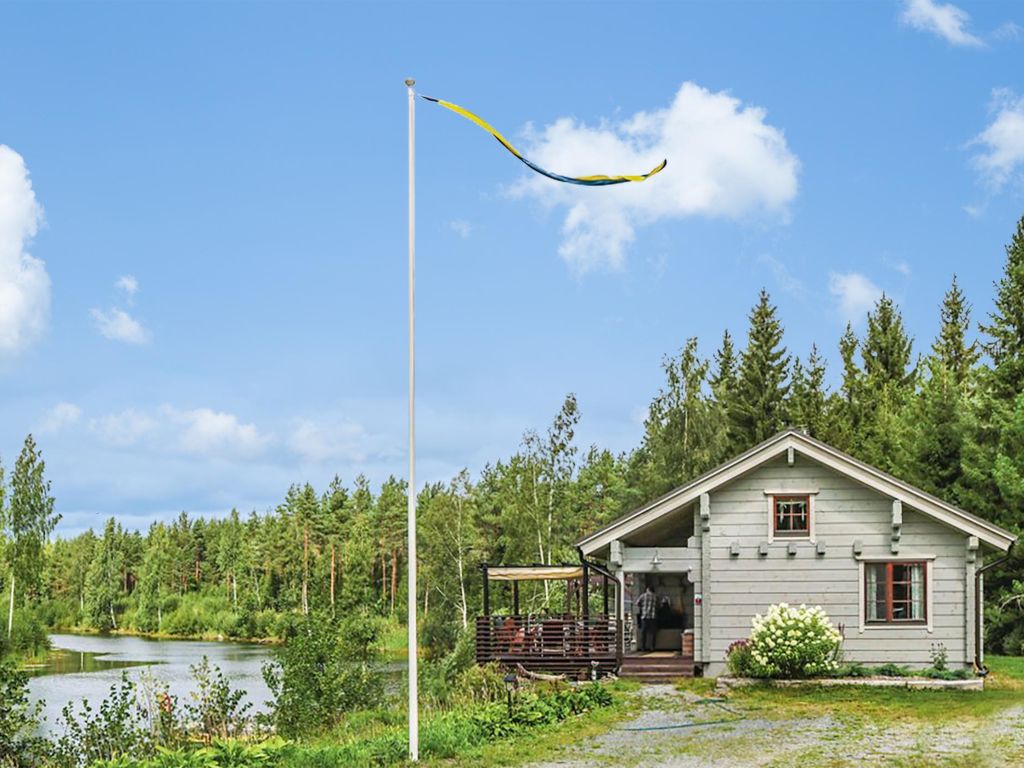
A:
<point x="414" y="710"/>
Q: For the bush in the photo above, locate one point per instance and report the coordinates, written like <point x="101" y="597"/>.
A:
<point x="324" y="669"/>
<point x="790" y="642"/>
<point x="18" y="720"/>
<point x="893" y="670"/>
<point x="739" y="659"/>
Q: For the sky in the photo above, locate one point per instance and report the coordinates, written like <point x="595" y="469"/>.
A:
<point x="203" y="220"/>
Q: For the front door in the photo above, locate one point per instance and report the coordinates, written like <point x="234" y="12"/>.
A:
<point x="674" y="613"/>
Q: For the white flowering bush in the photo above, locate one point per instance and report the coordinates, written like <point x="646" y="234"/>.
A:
<point x="791" y="642"/>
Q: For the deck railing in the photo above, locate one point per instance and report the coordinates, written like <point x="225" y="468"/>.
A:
<point x="565" y="644"/>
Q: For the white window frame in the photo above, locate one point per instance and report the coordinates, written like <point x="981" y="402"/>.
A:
<point x="771" y="493"/>
<point x="928" y="560"/>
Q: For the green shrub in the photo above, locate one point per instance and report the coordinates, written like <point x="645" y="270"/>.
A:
<point x="738" y="658"/>
<point x="110" y="732"/>
<point x="789" y="642"/>
<point x="324" y="669"/>
<point x="892" y="670"/>
<point x="853" y="669"/>
<point x="18" y="747"/>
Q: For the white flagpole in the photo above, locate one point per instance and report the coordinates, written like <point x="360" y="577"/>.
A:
<point x="414" y="707"/>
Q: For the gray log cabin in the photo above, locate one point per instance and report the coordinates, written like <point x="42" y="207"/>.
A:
<point x="795" y="520"/>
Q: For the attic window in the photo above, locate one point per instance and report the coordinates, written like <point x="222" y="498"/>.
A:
<point x="792" y="516"/>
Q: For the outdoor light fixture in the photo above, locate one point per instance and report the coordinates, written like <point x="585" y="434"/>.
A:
<point x="656" y="560"/>
<point x="511" y="684"/>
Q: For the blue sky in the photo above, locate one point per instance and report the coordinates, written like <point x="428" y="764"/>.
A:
<point x="202" y="291"/>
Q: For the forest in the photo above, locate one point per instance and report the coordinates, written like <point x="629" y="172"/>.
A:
<point x="947" y="416"/>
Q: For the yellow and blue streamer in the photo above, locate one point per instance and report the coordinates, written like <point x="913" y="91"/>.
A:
<point x="587" y="181"/>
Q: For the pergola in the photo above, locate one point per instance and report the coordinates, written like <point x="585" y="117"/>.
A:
<point x="578" y="643"/>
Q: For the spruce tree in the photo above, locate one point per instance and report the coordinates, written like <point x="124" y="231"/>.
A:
<point x="808" y="398"/>
<point x="1005" y="329"/>
<point x="951" y="349"/>
<point x="887" y="349"/>
<point x="759" y="408"/>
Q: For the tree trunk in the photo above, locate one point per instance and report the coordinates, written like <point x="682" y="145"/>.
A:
<point x="10" y="610"/>
<point x="305" y="571"/>
<point x="333" y="566"/>
<point x="234" y="590"/>
<point x="394" y="578"/>
<point x="113" y="621"/>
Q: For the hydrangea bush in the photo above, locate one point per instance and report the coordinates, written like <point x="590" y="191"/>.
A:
<point x="791" y="642"/>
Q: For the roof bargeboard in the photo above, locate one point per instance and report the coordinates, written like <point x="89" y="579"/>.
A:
<point x="988" y="533"/>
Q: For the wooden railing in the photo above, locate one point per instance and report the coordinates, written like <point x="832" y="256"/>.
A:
<point x="574" y="646"/>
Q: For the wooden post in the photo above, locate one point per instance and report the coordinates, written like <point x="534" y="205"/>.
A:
<point x="515" y="598"/>
<point x="586" y="590"/>
<point x="487" y="590"/>
<point x="604" y="584"/>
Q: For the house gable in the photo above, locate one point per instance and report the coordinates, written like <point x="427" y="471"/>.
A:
<point x="790" y="444"/>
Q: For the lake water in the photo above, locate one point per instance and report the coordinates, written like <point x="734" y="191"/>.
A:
<point x="88" y="665"/>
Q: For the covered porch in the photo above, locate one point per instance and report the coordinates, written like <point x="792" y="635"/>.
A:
<point x="576" y="642"/>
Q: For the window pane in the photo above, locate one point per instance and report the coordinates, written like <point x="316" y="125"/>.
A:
<point x="917" y="591"/>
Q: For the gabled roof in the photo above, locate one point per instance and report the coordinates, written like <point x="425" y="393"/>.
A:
<point x="987" y="533"/>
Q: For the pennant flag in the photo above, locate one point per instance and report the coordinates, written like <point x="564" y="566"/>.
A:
<point x="587" y="181"/>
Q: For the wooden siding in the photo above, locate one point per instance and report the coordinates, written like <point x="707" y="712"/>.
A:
<point x="736" y="587"/>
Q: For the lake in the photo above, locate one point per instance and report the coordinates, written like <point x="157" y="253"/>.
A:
<point x="86" y="666"/>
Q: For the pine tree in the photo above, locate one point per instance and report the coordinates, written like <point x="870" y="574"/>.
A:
<point x="760" y="404"/>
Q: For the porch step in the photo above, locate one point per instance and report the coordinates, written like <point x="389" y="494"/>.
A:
<point x="655" y="668"/>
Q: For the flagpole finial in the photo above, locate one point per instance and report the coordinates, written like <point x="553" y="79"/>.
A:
<point x="410" y="82"/>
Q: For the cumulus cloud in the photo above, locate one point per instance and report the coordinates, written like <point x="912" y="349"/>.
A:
<point x="123" y="429"/>
<point x="58" y="418"/>
<point x="725" y="161"/>
<point x="462" y="228"/>
<point x="118" y="325"/>
<point x="128" y="284"/>
<point x="336" y="439"/>
<point x="1001" y="155"/>
<point x="24" y="283"/>
<point x="205" y="432"/>
<point x="945" y="20"/>
<point x="855" y="293"/>
<point x="201" y="432"/>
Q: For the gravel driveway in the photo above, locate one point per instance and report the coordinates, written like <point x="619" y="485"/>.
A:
<point x="680" y="730"/>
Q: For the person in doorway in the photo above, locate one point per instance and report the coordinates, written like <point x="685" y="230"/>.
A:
<point x="647" y="607"/>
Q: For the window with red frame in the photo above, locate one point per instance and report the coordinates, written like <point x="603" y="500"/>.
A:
<point x="792" y="516"/>
<point x="894" y="593"/>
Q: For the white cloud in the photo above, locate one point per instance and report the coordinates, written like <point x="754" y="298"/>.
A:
<point x="205" y="432"/>
<point x="59" y="417"/>
<point x="1002" y="142"/>
<point x="903" y="268"/>
<point x="118" y="325"/>
<point x="1008" y="31"/>
<point x="125" y="428"/>
<point x="318" y="441"/>
<point x="724" y="161"/>
<point x="974" y="210"/>
<point x="24" y="283"/>
<point x="786" y="280"/>
<point x="462" y="228"/>
<point x="128" y="284"/>
<point x="200" y="432"/>
<point x="945" y="20"/>
<point x="856" y="294"/>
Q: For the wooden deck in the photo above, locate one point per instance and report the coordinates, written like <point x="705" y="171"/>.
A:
<point x="574" y="646"/>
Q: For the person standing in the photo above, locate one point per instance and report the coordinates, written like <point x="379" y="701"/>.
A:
<point x="647" y="605"/>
